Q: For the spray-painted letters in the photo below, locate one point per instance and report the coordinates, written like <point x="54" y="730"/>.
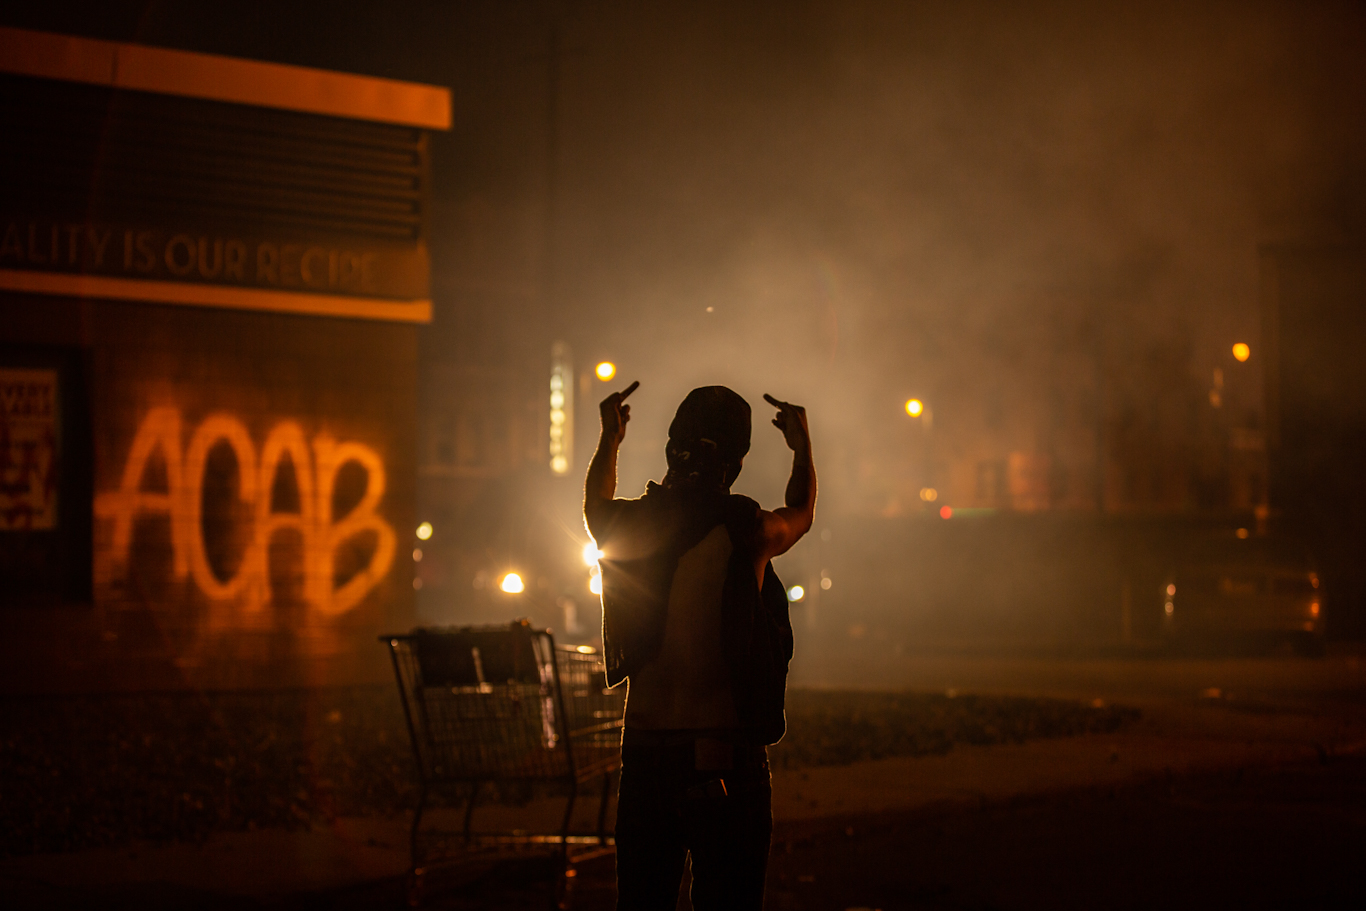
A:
<point x="315" y="470"/>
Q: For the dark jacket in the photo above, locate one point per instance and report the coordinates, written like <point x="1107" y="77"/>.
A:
<point x="635" y="596"/>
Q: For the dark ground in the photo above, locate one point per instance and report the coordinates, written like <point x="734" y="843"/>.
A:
<point x="1280" y="838"/>
<point x="1288" y="837"/>
<point x="83" y="772"/>
<point x="1291" y="837"/>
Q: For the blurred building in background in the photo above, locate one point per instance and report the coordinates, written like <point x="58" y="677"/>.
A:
<point x="212" y="272"/>
<point x="1065" y="410"/>
<point x="1314" y="325"/>
<point x="1046" y="236"/>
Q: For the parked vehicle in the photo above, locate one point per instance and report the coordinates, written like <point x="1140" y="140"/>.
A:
<point x="1242" y="588"/>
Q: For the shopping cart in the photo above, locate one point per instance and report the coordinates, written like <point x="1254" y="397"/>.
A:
<point x="503" y="705"/>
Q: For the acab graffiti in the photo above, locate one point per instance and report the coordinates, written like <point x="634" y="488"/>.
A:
<point x="315" y="471"/>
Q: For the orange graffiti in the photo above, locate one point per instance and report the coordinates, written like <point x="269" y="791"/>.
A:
<point x="315" y="472"/>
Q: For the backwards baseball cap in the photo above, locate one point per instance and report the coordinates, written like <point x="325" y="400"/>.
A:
<point x="712" y="416"/>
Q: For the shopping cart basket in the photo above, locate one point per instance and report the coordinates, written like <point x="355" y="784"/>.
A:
<point x="499" y="705"/>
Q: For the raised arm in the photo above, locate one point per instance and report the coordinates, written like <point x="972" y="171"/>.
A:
<point x="784" y="526"/>
<point x="600" y="486"/>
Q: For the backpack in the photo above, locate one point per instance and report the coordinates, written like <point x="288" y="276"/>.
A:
<point x="758" y="634"/>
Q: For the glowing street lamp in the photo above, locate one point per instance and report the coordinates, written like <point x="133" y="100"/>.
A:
<point x="606" y="370"/>
<point x="561" y="409"/>
<point x="1241" y="352"/>
<point x="512" y="584"/>
<point x="915" y="408"/>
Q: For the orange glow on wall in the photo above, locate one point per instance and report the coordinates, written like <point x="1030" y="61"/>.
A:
<point x="315" y="470"/>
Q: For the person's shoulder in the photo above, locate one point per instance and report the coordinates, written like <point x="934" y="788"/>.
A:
<point x="743" y="515"/>
<point x="609" y="517"/>
<point x="653" y="497"/>
<point x="739" y="502"/>
<point x="633" y="509"/>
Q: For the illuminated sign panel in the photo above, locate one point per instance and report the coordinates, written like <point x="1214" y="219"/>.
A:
<point x="561" y="410"/>
<point x="126" y="188"/>
<point x="238" y="261"/>
<point x="211" y="76"/>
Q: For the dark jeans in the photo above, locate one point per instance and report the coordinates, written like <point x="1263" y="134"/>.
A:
<point x="668" y="809"/>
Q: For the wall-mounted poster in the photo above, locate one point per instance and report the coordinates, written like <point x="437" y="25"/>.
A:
<point x="29" y="449"/>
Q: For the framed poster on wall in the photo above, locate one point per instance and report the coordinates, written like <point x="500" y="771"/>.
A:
<point x="30" y="449"/>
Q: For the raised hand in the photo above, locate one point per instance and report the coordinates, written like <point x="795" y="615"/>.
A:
<point x="615" y="414"/>
<point x="791" y="420"/>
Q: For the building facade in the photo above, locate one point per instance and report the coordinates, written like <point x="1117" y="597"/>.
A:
<point x="212" y="274"/>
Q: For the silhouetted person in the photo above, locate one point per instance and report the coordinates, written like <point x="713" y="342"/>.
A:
<point x="696" y="619"/>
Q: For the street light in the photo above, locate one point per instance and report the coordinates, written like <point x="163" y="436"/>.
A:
<point x="561" y="431"/>
<point x="606" y="370"/>
<point x="915" y="407"/>
<point x="1241" y="352"/>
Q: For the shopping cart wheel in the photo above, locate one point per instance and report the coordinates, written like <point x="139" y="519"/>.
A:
<point x="563" y="899"/>
<point x="413" y="889"/>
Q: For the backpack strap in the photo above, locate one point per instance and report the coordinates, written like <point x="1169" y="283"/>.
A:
<point x="759" y="631"/>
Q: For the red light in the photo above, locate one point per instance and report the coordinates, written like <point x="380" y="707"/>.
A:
<point x="945" y="512"/>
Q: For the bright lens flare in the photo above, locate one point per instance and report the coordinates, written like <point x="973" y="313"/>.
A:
<point x="796" y="593"/>
<point x="606" y="370"/>
<point x="591" y="554"/>
<point x="424" y="531"/>
<point x="929" y="494"/>
<point x="1241" y="352"/>
<point x="915" y="407"/>
<point x="512" y="584"/>
<point x="595" y="584"/>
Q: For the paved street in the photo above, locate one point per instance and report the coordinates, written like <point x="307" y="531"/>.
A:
<point x="1338" y="679"/>
<point x="1240" y="785"/>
